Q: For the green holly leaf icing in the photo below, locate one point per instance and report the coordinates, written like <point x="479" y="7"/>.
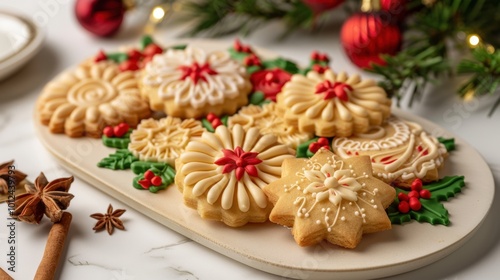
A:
<point x="179" y="47"/>
<point x="165" y="171"/>
<point x="237" y="55"/>
<point x="252" y="69"/>
<point x="122" y="159"/>
<point x="145" y="41"/>
<point x="117" y="142"/>
<point x="449" y="143"/>
<point x="447" y="187"/>
<point x="303" y="149"/>
<point x="257" y="98"/>
<point x="117" y="57"/>
<point x="282" y="63"/>
<point x="432" y="211"/>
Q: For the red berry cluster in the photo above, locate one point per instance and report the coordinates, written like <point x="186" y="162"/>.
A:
<point x="239" y="47"/>
<point x="412" y="199"/>
<point x="136" y="59"/>
<point x="321" y="143"/>
<point x="319" y="57"/>
<point x="319" y="68"/>
<point x="150" y="179"/>
<point x="116" y="131"/>
<point x="214" y="120"/>
<point x="252" y="60"/>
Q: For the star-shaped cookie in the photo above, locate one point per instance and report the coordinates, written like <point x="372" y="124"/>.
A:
<point x="326" y="197"/>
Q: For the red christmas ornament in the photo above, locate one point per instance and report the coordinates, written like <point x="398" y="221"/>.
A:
<point x="100" y="17"/>
<point x="320" y="6"/>
<point x="367" y="35"/>
<point x="396" y="9"/>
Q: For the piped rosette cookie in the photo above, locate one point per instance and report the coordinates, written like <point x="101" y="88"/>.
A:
<point x="269" y="120"/>
<point x="329" y="198"/>
<point x="82" y="101"/>
<point x="223" y="173"/>
<point x="163" y="140"/>
<point x="191" y="83"/>
<point x="333" y="104"/>
<point x="400" y="151"/>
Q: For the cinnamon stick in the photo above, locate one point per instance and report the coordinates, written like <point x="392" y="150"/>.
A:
<point x="53" y="249"/>
<point x="4" y="275"/>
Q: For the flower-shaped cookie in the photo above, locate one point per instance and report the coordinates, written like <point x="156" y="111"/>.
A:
<point x="163" y="140"/>
<point x="333" y="104"/>
<point x="85" y="100"/>
<point x="223" y="173"/>
<point x="400" y="151"/>
<point x="191" y="83"/>
<point x="269" y="120"/>
<point x="326" y="197"/>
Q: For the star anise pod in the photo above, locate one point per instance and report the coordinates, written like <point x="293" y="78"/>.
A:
<point x="15" y="175"/>
<point x="46" y="197"/>
<point x="109" y="220"/>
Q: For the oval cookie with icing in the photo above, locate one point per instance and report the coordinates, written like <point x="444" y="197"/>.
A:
<point x="222" y="174"/>
<point x="400" y="151"/>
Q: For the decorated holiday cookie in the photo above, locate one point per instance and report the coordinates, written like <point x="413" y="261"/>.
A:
<point x="332" y="104"/>
<point x="81" y="102"/>
<point x="191" y="83"/>
<point x="400" y="151"/>
<point x="163" y="140"/>
<point x="329" y="198"/>
<point x="269" y="120"/>
<point x="223" y="173"/>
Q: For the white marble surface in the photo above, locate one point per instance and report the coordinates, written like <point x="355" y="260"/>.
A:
<point x="147" y="250"/>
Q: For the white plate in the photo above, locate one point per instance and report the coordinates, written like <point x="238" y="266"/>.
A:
<point x="20" y="40"/>
<point x="270" y="247"/>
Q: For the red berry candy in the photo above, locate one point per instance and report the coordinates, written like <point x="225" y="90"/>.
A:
<point x="425" y="193"/>
<point x="404" y="207"/>
<point x="156" y="181"/>
<point x="416" y="185"/>
<point x="323" y="141"/>
<point x="215" y="123"/>
<point x="100" y="56"/>
<point x="246" y="49"/>
<point x="315" y="56"/>
<point x="403" y="197"/>
<point x="120" y="129"/>
<point x="128" y="65"/>
<point x="108" y="131"/>
<point x="211" y="117"/>
<point x="152" y="49"/>
<point x="414" y="194"/>
<point x="134" y="54"/>
<point x="323" y="57"/>
<point x="314" y="147"/>
<point x="124" y="126"/>
<point x="148" y="175"/>
<point x="145" y="183"/>
<point x="237" y="45"/>
<point x="415" y="204"/>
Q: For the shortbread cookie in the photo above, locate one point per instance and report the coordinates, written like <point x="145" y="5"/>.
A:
<point x="81" y="102"/>
<point x="400" y="151"/>
<point x="326" y="197"/>
<point x="223" y="173"/>
<point x="191" y="83"/>
<point x="333" y="104"/>
<point x="163" y="140"/>
<point x="269" y="120"/>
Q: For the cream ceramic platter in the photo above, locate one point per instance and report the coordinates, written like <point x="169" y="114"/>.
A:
<point x="270" y="247"/>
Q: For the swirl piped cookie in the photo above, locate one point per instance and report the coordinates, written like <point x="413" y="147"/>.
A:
<point x="400" y="151"/>
<point x="223" y="173"/>
<point x="191" y="83"/>
<point x="329" y="198"/>
<point x="269" y="120"/>
<point x="81" y="102"/>
<point x="333" y="104"/>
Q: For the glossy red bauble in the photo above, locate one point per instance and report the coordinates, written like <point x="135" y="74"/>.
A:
<point x="365" y="36"/>
<point x="100" y="17"/>
<point x="396" y="9"/>
<point x="320" y="6"/>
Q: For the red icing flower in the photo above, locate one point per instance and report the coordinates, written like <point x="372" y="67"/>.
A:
<point x="270" y="82"/>
<point x="240" y="160"/>
<point x="196" y="72"/>
<point x="336" y="89"/>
